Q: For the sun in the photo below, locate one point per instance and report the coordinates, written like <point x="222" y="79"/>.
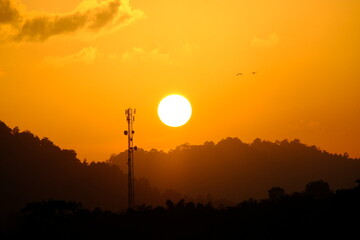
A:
<point x="174" y="110"/>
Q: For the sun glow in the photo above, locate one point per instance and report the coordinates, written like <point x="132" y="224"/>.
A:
<point x="174" y="110"/>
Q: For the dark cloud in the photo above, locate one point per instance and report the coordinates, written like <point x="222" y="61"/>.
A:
<point x="8" y="12"/>
<point x="41" y="28"/>
<point x="105" y="15"/>
<point x="91" y="15"/>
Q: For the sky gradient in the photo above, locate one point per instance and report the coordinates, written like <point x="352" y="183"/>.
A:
<point x="69" y="69"/>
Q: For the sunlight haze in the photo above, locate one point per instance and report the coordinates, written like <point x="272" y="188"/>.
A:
<point x="69" y="69"/>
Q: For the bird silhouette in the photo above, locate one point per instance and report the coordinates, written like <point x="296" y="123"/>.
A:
<point x="239" y="74"/>
<point x="253" y="72"/>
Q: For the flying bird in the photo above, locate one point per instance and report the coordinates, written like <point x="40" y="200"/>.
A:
<point x="253" y="72"/>
<point x="239" y="74"/>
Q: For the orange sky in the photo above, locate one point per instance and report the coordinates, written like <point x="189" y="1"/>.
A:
<point x="68" y="70"/>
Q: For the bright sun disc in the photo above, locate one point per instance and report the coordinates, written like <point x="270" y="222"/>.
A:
<point x="174" y="110"/>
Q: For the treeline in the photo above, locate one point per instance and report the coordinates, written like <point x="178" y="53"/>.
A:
<point x="315" y="213"/>
<point x="236" y="171"/>
<point x="33" y="169"/>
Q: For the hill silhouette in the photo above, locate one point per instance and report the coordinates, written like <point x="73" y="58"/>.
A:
<point x="238" y="171"/>
<point x="33" y="169"/>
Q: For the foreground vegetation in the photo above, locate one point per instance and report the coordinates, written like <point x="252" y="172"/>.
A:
<point x="315" y="213"/>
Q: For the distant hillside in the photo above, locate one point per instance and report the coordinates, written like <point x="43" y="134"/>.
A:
<point x="33" y="169"/>
<point x="238" y="171"/>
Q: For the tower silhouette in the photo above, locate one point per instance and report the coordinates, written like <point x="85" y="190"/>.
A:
<point x="130" y="133"/>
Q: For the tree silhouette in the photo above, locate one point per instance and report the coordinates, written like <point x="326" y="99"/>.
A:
<point x="33" y="169"/>
<point x="318" y="189"/>
<point x="276" y="193"/>
<point x="297" y="216"/>
<point x="169" y="204"/>
<point x="234" y="170"/>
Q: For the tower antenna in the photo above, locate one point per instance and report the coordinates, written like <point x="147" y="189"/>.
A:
<point x="130" y="118"/>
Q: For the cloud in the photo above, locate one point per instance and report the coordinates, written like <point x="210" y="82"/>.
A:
<point x="270" y="41"/>
<point x="189" y="48"/>
<point x="157" y="55"/>
<point x="90" y="15"/>
<point x="9" y="12"/>
<point x="86" y="55"/>
<point x="138" y="53"/>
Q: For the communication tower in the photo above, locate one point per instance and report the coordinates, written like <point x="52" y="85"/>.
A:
<point x="130" y="112"/>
